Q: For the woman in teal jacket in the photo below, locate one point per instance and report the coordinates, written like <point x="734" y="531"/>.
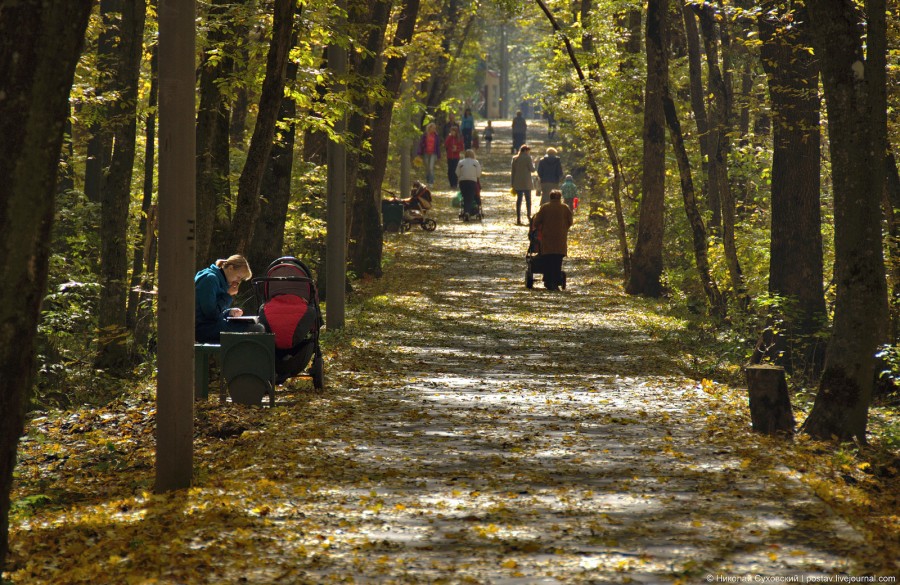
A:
<point x="215" y="288"/>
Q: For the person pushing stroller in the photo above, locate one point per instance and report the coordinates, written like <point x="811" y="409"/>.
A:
<point x="551" y="225"/>
<point x="469" y="173"/>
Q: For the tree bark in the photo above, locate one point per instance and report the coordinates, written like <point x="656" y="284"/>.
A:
<point x="647" y="262"/>
<point x="770" y="404"/>
<point x="365" y="229"/>
<point x="695" y="219"/>
<point x="698" y="107"/>
<point x="268" y="240"/>
<point x="213" y="125"/>
<point x="720" y="128"/>
<point x="127" y="26"/>
<point x="892" y="208"/>
<point x="40" y="43"/>
<point x="247" y="209"/>
<point x="795" y="263"/>
<point x="853" y="77"/>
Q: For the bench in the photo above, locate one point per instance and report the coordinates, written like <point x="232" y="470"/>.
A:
<point x="202" y="353"/>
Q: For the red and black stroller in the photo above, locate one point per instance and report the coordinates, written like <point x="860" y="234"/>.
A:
<point x="289" y="308"/>
<point x="534" y="262"/>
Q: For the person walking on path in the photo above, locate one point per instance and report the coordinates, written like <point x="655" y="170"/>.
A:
<point x="488" y="134"/>
<point x="453" y="146"/>
<point x="467" y="127"/>
<point x="519" y="131"/>
<point x="521" y="180"/>
<point x="550" y="173"/>
<point x="570" y="192"/>
<point x="469" y="172"/>
<point x="552" y="222"/>
<point x="430" y="151"/>
<point x="450" y="123"/>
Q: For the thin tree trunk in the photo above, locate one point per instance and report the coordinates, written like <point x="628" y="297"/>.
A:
<point x="695" y="219"/>
<point x="698" y="107"/>
<point x="618" y="177"/>
<point x="853" y="77"/>
<point x="116" y="193"/>
<point x="892" y="208"/>
<point x="36" y="84"/>
<point x="268" y="240"/>
<point x="647" y="262"/>
<point x="247" y="208"/>
<point x="138" y="287"/>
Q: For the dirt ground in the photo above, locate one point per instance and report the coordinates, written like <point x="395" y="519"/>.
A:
<point x="473" y="431"/>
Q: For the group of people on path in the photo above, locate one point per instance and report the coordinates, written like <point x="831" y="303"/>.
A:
<point x="558" y="191"/>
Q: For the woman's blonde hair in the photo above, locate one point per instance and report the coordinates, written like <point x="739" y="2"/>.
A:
<point x="235" y="261"/>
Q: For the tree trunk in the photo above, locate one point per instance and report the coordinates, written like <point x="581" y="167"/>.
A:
<point x="695" y="218"/>
<point x="892" y="208"/>
<point x="247" y="209"/>
<point x="698" y="107"/>
<point x="35" y="82"/>
<point x="364" y="226"/>
<point x="139" y="288"/>
<point x="213" y="121"/>
<point x="365" y="231"/>
<point x="115" y="198"/>
<point x="647" y="262"/>
<point x="720" y="127"/>
<point x="853" y="77"/>
<point x="267" y="244"/>
<point x="795" y="263"/>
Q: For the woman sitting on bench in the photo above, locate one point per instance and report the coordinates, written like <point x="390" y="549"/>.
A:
<point x="215" y="288"/>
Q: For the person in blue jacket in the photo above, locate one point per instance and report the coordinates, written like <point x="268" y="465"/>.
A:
<point x="214" y="291"/>
<point x="467" y="127"/>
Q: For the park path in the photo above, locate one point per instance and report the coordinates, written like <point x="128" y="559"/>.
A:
<point x="505" y="435"/>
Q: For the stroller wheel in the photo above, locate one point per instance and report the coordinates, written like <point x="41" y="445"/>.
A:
<point x="318" y="372"/>
<point x="562" y="284"/>
<point x="464" y="216"/>
<point x="429" y="225"/>
<point x="404" y="227"/>
<point x="529" y="278"/>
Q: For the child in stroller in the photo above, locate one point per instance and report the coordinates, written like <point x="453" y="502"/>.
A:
<point x="289" y="308"/>
<point x="416" y="208"/>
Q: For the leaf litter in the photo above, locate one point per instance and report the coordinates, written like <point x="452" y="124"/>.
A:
<point x="473" y="431"/>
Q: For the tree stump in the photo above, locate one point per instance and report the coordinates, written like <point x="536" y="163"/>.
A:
<point x="770" y="405"/>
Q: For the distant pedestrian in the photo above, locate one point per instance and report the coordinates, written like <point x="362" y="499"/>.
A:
<point x="467" y="127"/>
<point x="453" y="146"/>
<point x="550" y="173"/>
<point x="521" y="180"/>
<point x="519" y="131"/>
<point x="570" y="192"/>
<point x="488" y="136"/>
<point x="450" y="123"/>
<point x="552" y="221"/>
<point x="430" y="151"/>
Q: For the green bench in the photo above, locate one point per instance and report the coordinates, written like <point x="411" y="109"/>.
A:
<point x="202" y="353"/>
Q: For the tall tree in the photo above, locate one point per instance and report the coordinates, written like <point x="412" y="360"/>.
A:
<point x="853" y="65"/>
<point x="126" y="21"/>
<point x="795" y="262"/>
<point x="213" y="126"/>
<point x="40" y="42"/>
<point x="647" y="261"/>
<point x="365" y="227"/>
<point x="247" y="208"/>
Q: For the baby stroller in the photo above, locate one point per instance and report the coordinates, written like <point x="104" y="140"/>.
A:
<point x="415" y="209"/>
<point x="289" y="308"/>
<point x="534" y="260"/>
<point x="474" y="213"/>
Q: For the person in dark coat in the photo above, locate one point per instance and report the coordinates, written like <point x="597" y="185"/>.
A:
<point x="550" y="172"/>
<point x="519" y="131"/>
<point x="552" y="222"/>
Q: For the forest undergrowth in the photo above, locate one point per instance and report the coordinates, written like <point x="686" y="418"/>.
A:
<point x="471" y="431"/>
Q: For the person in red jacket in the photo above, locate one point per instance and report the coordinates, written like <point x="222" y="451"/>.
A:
<point x="454" y="146"/>
<point x="553" y="221"/>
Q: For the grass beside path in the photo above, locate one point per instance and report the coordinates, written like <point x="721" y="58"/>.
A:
<point x="473" y="431"/>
